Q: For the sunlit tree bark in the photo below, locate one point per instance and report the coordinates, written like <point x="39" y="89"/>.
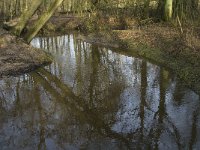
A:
<point x="168" y="9"/>
<point x="24" y="18"/>
<point x="42" y="20"/>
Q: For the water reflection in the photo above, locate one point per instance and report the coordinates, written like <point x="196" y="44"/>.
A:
<point x="93" y="98"/>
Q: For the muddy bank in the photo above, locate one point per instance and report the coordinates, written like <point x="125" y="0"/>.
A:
<point x="16" y="57"/>
<point x="60" y="24"/>
<point x="101" y="38"/>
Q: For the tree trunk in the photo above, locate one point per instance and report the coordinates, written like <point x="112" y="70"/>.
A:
<point x="24" y="18"/>
<point x="146" y="8"/>
<point x="165" y="9"/>
<point x="42" y="20"/>
<point x="160" y="9"/>
<point x="168" y="10"/>
<point x="4" y="9"/>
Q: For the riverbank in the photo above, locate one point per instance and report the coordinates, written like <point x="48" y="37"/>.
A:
<point x="162" y="43"/>
<point x="17" y="57"/>
<point x="158" y="42"/>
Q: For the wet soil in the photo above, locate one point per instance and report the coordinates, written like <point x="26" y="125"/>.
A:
<point x="61" y="24"/>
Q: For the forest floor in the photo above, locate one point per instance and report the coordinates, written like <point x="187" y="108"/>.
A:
<point x="17" y="57"/>
<point x="166" y="38"/>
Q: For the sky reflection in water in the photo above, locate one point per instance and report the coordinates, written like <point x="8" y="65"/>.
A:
<point x="93" y="98"/>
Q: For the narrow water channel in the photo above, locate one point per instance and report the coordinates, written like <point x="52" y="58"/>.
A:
<point x="91" y="97"/>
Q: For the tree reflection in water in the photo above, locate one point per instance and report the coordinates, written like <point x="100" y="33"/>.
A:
<point x="91" y="97"/>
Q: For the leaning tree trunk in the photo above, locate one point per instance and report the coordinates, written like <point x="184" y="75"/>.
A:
<point x="42" y="20"/>
<point x="24" y="18"/>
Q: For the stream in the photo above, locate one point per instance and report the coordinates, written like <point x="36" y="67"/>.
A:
<point x="92" y="97"/>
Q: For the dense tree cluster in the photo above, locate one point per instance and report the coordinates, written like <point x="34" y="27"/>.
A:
<point x="24" y="10"/>
<point x="163" y="9"/>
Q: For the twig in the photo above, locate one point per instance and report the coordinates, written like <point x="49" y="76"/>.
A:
<point x="179" y="22"/>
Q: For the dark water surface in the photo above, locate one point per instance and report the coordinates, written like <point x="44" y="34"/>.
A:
<point x="93" y="98"/>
